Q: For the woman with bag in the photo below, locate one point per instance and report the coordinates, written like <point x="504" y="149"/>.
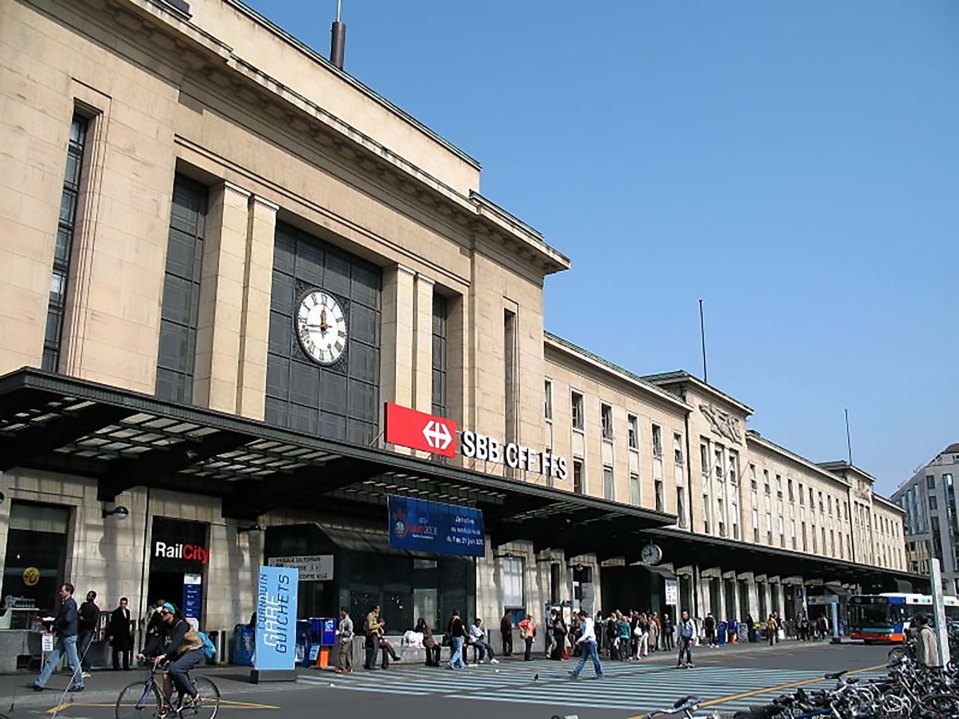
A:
<point x="559" y="637"/>
<point x="429" y="643"/>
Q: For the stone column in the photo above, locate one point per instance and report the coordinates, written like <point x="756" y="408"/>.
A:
<point x="221" y="299"/>
<point x="397" y="356"/>
<point x="255" y="317"/>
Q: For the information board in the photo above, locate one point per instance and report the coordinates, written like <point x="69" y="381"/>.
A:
<point x="313" y="567"/>
<point x="423" y="526"/>
<point x="672" y="592"/>
<point x="192" y="595"/>
<point x="276" y="624"/>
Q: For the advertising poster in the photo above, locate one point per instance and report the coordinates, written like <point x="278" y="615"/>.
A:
<point x="276" y="624"/>
<point x="422" y="526"/>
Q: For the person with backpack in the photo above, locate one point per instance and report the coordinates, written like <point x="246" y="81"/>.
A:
<point x="178" y="643"/>
<point x="687" y="630"/>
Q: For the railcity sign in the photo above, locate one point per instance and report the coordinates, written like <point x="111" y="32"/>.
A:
<point x="430" y="433"/>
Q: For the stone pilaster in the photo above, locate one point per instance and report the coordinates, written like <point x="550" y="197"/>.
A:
<point x="423" y="344"/>
<point x="397" y="357"/>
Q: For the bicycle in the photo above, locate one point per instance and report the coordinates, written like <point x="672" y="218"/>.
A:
<point x="136" y="700"/>
<point x="686" y="706"/>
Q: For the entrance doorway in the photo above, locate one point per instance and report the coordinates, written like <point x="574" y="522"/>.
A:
<point x="34" y="564"/>
<point x="178" y="559"/>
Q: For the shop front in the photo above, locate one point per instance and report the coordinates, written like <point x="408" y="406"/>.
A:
<point x="179" y="556"/>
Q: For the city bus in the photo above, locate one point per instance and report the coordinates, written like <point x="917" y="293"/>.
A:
<point x="886" y="617"/>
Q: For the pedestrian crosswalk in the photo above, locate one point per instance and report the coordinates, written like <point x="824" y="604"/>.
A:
<point x="630" y="687"/>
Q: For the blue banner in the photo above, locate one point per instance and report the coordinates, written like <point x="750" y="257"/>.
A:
<point x="192" y="595"/>
<point x="422" y="526"/>
<point x="276" y="619"/>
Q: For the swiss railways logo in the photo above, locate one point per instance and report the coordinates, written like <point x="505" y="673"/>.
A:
<point x="399" y="528"/>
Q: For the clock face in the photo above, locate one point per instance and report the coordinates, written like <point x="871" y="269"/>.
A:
<point x="651" y="554"/>
<point x="321" y="327"/>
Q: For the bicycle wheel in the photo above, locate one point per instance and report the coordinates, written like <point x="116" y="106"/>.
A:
<point x="139" y="701"/>
<point x="209" y="700"/>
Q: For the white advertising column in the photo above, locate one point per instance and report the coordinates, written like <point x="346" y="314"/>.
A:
<point x="939" y="610"/>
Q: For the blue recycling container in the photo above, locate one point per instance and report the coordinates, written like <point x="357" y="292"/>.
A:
<point x="244" y="644"/>
<point x="723" y="627"/>
<point x="303" y="642"/>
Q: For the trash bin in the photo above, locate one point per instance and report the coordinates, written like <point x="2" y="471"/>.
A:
<point x="721" y="638"/>
<point x="244" y="644"/>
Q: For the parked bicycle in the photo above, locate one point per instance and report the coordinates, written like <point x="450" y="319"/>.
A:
<point x="684" y="707"/>
<point x="143" y="699"/>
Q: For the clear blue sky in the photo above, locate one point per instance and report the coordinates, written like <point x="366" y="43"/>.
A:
<point x="794" y="164"/>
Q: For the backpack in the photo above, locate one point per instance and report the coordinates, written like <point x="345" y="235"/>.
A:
<point x="209" y="651"/>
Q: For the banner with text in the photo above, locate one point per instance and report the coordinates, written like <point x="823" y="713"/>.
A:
<point x="422" y="526"/>
<point x="276" y="619"/>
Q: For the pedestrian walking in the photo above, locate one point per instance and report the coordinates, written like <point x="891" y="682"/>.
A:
<point x="687" y="630"/>
<point x="66" y="626"/>
<point x="457" y="635"/>
<point x="120" y="635"/>
<point x="344" y="642"/>
<point x="668" y="630"/>
<point x="87" y="623"/>
<point x="506" y="630"/>
<point x="750" y="628"/>
<point x="709" y="628"/>
<point x="771" y="628"/>
<point x="590" y="648"/>
<point x="527" y="630"/>
<point x="927" y="646"/>
<point x="559" y="636"/>
<point x="654" y="632"/>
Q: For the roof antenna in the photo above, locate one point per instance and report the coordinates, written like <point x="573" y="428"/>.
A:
<point x="848" y="439"/>
<point x="338" y="41"/>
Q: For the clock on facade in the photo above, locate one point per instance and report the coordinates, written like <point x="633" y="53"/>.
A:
<point x="321" y="327"/>
<point x="651" y="554"/>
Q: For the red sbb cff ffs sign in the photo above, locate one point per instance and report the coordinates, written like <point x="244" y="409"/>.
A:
<point x="418" y="430"/>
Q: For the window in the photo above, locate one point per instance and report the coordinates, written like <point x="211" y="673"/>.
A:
<point x="634" y="496"/>
<point x="705" y="513"/>
<point x="779" y="486"/>
<point x="782" y="532"/>
<point x="930" y="481"/>
<point x="792" y="532"/>
<point x="608" y="489"/>
<point x="440" y="341"/>
<point x="802" y="499"/>
<point x="704" y="458"/>
<point x="756" y="525"/>
<point x="766" y="481"/>
<point x="678" y="448"/>
<point x="660" y="500"/>
<point x="681" y="506"/>
<point x="576" y="402"/>
<point x="789" y="489"/>
<point x="804" y="547"/>
<point x="734" y="518"/>
<point x="829" y="504"/>
<point x="632" y="431"/>
<point x="657" y="441"/>
<point x="753" y="484"/>
<point x="577" y="475"/>
<point x="510" y="372"/>
<point x="548" y="400"/>
<point x="511" y="581"/>
<point x="56" y="304"/>
<point x="820" y="503"/>
<point x="719" y="465"/>
<point x="181" y="292"/>
<point x="721" y="517"/>
<point x="812" y="499"/>
<point x="769" y="529"/>
<point x="733" y="469"/>
<point x="606" y="415"/>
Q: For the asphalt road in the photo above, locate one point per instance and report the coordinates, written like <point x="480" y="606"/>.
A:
<point x="725" y="679"/>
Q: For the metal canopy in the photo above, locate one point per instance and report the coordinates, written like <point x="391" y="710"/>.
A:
<point x="124" y="439"/>
<point x="683" y="548"/>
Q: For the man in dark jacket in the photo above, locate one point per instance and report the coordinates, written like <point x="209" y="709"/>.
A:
<point x="120" y="634"/>
<point x="89" y="620"/>
<point x="65" y="626"/>
<point x="506" y="630"/>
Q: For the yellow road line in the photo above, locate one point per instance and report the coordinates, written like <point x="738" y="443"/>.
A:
<point x="767" y="690"/>
<point x="224" y="704"/>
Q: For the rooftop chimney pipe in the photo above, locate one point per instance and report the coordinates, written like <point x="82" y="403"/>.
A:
<point x="338" y="39"/>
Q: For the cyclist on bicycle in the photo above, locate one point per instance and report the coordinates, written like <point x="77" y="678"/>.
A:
<point x="178" y="644"/>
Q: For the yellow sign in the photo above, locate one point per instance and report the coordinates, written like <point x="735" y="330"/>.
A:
<point x="31" y="575"/>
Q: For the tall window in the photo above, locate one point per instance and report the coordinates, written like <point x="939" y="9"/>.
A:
<point x="734" y="518"/>
<point x="753" y="484"/>
<point x="576" y="404"/>
<point x="660" y="499"/>
<point x="681" y="506"/>
<point x="802" y="500"/>
<point x="509" y="376"/>
<point x="766" y="481"/>
<point x="53" y="334"/>
<point x="578" y="476"/>
<point x="678" y="456"/>
<point x="756" y="525"/>
<point x="608" y="489"/>
<point x="634" y="494"/>
<point x="439" y="355"/>
<point x="733" y="468"/>
<point x="511" y="581"/>
<point x="704" y="458"/>
<point x="606" y="416"/>
<point x="548" y="400"/>
<point x="657" y="441"/>
<point x="181" y="291"/>
<point x="632" y="431"/>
